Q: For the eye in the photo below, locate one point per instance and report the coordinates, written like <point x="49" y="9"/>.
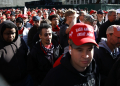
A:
<point x="90" y="49"/>
<point x="80" y="50"/>
<point x="46" y="35"/>
<point x="50" y="34"/>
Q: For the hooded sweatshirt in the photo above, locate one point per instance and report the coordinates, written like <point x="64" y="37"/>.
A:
<point x="66" y="75"/>
<point x="12" y="57"/>
<point x="105" y="59"/>
<point x="103" y="44"/>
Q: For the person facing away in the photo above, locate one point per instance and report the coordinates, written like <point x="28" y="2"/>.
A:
<point x="33" y="31"/>
<point x="43" y="54"/>
<point x="13" y="56"/>
<point x="77" y="67"/>
<point x="108" y="52"/>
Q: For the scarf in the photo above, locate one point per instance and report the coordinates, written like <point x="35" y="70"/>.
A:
<point x="48" y="52"/>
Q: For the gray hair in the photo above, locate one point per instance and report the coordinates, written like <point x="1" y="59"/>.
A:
<point x="111" y="11"/>
<point x="82" y="12"/>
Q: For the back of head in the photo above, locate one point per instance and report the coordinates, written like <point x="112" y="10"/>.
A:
<point x="69" y="12"/>
<point x="89" y="18"/>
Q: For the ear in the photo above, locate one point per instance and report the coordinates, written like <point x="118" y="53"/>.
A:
<point x="40" y="36"/>
<point x="70" y="49"/>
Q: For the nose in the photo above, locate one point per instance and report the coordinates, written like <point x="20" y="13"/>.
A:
<point x="10" y="35"/>
<point x="85" y="54"/>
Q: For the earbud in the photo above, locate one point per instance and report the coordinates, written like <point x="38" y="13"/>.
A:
<point x="70" y="51"/>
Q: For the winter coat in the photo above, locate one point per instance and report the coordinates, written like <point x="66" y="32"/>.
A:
<point x="13" y="58"/>
<point x="114" y="75"/>
<point x="31" y="34"/>
<point x="103" y="29"/>
<point x="66" y="75"/>
<point x="104" y="59"/>
<point x="38" y="64"/>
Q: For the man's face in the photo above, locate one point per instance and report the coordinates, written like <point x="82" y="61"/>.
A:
<point x="46" y="36"/>
<point x="40" y="13"/>
<point x="18" y="24"/>
<point x="25" y="20"/>
<point x="81" y="17"/>
<point x="12" y="18"/>
<point x="36" y="23"/>
<point x="101" y="16"/>
<point x="114" y="40"/>
<point x="118" y="15"/>
<point x="45" y="15"/>
<point x="9" y="34"/>
<point x="81" y="57"/>
<point x="112" y="17"/>
<point x="54" y="21"/>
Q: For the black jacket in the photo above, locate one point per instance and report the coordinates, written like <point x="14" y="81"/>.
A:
<point x="66" y="75"/>
<point x="38" y="64"/>
<point x="31" y="34"/>
<point x="114" y="75"/>
<point x="103" y="28"/>
<point x="104" y="60"/>
<point x="98" y="24"/>
<point x="13" y="58"/>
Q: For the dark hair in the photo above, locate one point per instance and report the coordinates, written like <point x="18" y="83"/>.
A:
<point x="8" y="25"/>
<point x="45" y="21"/>
<point x="43" y="25"/>
<point x="19" y="19"/>
<point x="52" y="16"/>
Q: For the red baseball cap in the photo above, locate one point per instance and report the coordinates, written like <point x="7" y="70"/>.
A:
<point x="92" y="11"/>
<point x="24" y="16"/>
<point x="81" y="34"/>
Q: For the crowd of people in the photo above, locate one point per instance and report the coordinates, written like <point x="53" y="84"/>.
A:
<point x="59" y="47"/>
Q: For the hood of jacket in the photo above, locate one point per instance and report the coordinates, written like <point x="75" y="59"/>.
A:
<point x="103" y="44"/>
<point x="65" y="61"/>
<point x="2" y="29"/>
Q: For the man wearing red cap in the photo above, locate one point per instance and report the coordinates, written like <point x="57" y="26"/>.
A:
<point x="77" y="67"/>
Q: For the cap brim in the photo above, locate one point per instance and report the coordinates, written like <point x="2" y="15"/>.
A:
<point x="84" y="41"/>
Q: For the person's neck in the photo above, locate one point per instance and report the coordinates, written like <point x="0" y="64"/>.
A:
<point x="54" y="26"/>
<point x="110" y="46"/>
<point x="111" y="20"/>
<point x="99" y="19"/>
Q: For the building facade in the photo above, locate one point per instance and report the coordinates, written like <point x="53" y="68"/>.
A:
<point x="13" y="3"/>
<point x="73" y="2"/>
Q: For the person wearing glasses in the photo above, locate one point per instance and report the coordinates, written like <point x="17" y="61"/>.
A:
<point x="81" y="16"/>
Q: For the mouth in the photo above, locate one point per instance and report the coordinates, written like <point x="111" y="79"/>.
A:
<point x="85" y="62"/>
